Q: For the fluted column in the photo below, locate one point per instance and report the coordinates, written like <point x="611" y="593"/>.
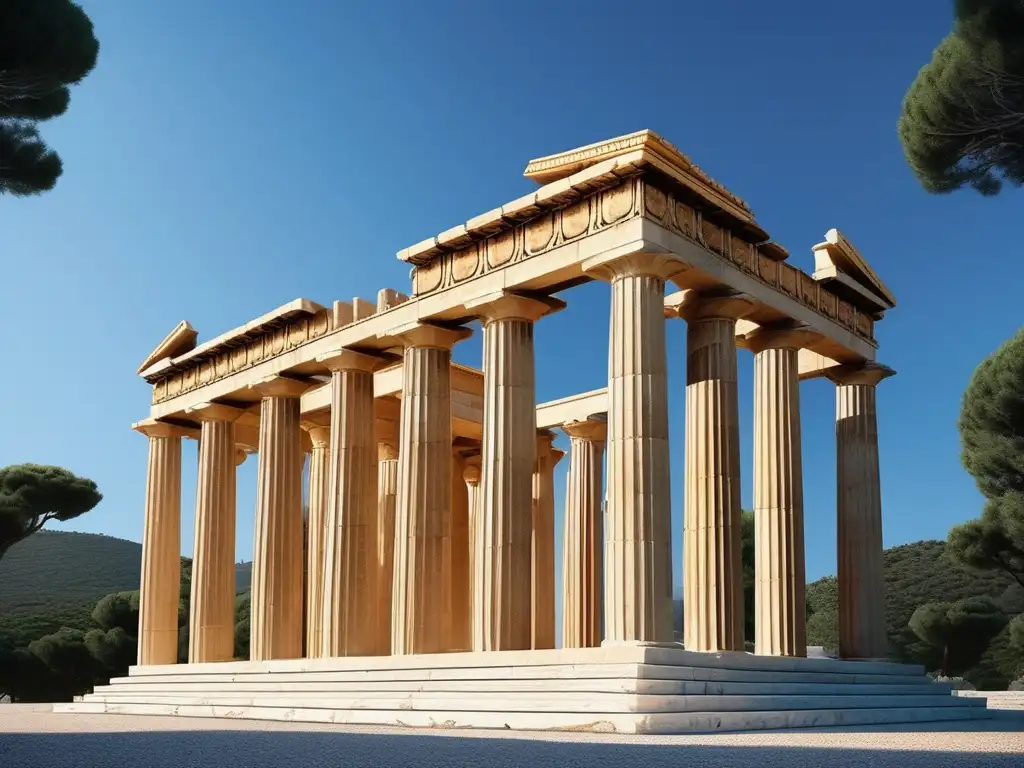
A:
<point x="212" y="604"/>
<point x="502" y="617"/>
<point x="583" y="543"/>
<point x="458" y="573"/>
<point x="712" y="537"/>
<point x="543" y="565"/>
<point x="423" y="503"/>
<point x="859" y="506"/>
<point x="387" y="491"/>
<point x="276" y="613"/>
<point x="350" y="564"/>
<point x="779" y="575"/>
<point x="471" y="476"/>
<point x="160" y="588"/>
<point x="316" y="536"/>
<point x="638" y="555"/>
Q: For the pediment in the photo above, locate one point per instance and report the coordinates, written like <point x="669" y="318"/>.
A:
<point x="837" y="261"/>
<point x="179" y="341"/>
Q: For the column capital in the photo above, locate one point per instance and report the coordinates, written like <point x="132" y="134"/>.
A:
<point x="154" y="428"/>
<point x="867" y="374"/>
<point x="556" y="455"/>
<point x="612" y="265"/>
<point x="240" y="456"/>
<point x="214" y="412"/>
<point x="417" y="334"/>
<point x="471" y="470"/>
<point x="503" y="305"/>
<point x="545" y="439"/>
<point x="319" y="434"/>
<point x="279" y="386"/>
<point x="788" y="335"/>
<point x="692" y="305"/>
<point x="342" y="359"/>
<point x="387" y="451"/>
<point x="592" y="430"/>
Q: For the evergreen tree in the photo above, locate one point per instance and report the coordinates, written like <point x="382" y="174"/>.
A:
<point x="962" y="630"/>
<point x="963" y="117"/>
<point x="45" y="46"/>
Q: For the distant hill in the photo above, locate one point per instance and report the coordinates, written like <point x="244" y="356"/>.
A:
<point x="55" y="578"/>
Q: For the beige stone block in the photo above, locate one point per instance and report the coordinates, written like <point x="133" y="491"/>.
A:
<point x="277" y="601"/>
<point x="583" y="543"/>
<point x="161" y="546"/>
<point x="362" y="309"/>
<point x="212" y="604"/>
<point x="638" y="558"/>
<point x="859" y="512"/>
<point x="342" y="313"/>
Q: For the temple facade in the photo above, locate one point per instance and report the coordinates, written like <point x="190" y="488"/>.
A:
<point x="429" y="540"/>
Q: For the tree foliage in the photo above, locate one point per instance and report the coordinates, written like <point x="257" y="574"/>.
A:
<point x="962" y="630"/>
<point x="45" y="46"/>
<point x="962" y="121"/>
<point x="33" y="494"/>
<point x="992" y="437"/>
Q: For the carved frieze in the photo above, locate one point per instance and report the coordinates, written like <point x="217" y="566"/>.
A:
<point x="295" y="333"/>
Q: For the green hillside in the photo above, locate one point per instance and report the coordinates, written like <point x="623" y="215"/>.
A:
<point x="53" y="579"/>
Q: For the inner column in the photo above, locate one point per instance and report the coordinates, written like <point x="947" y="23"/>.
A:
<point x="316" y="536"/>
<point x="387" y="490"/>
<point x="276" y="613"/>
<point x="543" y="559"/>
<point x="423" y="504"/>
<point x="502" y="609"/>
<point x="712" y="540"/>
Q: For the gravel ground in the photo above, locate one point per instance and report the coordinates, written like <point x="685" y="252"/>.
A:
<point x="33" y="737"/>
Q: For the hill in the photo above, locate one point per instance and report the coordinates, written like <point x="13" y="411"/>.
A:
<point x="54" y="579"/>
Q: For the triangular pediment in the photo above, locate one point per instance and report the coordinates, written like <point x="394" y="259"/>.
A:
<point x="179" y="341"/>
<point x="837" y="258"/>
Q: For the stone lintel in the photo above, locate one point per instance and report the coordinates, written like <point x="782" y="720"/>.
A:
<point x="279" y="386"/>
<point x="610" y="265"/>
<point x="504" y="305"/>
<point x="787" y="335"/>
<point x="594" y="429"/>
<point x="418" y="334"/>
<point x="692" y="305"/>
<point x="342" y="359"/>
<point x="869" y="374"/>
<point x="215" y="412"/>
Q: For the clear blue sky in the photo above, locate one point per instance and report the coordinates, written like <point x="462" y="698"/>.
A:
<point x="226" y="157"/>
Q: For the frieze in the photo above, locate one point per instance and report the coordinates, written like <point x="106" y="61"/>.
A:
<point x="684" y="220"/>
<point x="531" y="238"/>
<point x="295" y="333"/>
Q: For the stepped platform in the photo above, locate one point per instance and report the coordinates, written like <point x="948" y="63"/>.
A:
<point x="623" y="689"/>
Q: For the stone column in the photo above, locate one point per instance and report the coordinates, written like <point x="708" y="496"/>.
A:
<point x="638" y="555"/>
<point x="276" y="613"/>
<point x="583" y="543"/>
<point x="779" y="576"/>
<point x="543" y="565"/>
<point x="316" y="536"/>
<point x="212" y="605"/>
<point x="350" y="565"/>
<point x="423" y="503"/>
<point x="859" y="504"/>
<point x="387" y="491"/>
<point x="471" y="476"/>
<point x="502" y="616"/>
<point x="457" y="558"/>
<point x="160" y="588"/>
<point x="712" y="540"/>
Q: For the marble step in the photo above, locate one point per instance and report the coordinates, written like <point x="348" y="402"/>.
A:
<point x="593" y="685"/>
<point x="686" y="722"/>
<point x="214" y="673"/>
<point x="559" y="701"/>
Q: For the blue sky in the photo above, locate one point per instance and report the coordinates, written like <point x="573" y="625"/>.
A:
<point x="227" y="157"/>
